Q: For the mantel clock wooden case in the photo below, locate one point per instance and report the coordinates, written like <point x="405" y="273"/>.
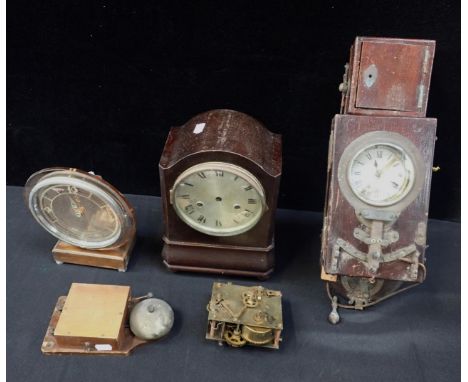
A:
<point x="379" y="174"/>
<point x="220" y="175"/>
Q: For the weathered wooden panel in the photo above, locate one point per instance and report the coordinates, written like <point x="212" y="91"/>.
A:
<point x="389" y="76"/>
<point x="340" y="216"/>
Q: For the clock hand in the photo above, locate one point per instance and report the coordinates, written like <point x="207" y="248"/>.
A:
<point x="73" y="204"/>
<point x="77" y="210"/>
<point x="376" y="165"/>
<point x="378" y="173"/>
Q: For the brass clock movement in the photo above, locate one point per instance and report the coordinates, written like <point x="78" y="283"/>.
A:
<point x="241" y="315"/>
<point x="379" y="173"/>
<point x="220" y="175"/>
<point x="94" y="222"/>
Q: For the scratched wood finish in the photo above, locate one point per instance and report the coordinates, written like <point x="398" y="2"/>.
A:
<point x="113" y="258"/>
<point x="389" y="76"/>
<point x="340" y="217"/>
<point x="233" y="137"/>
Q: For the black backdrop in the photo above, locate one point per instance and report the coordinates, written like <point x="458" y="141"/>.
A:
<point x="96" y="85"/>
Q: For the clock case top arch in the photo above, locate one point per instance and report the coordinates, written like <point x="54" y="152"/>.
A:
<point x="232" y="133"/>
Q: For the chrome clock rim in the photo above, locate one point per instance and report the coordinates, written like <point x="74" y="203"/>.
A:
<point x="69" y="180"/>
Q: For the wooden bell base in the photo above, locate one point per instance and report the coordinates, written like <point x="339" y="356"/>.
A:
<point x="234" y="262"/>
<point x="115" y="258"/>
<point x="51" y="345"/>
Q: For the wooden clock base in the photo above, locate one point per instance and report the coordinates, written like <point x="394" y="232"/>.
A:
<point x="115" y="258"/>
<point x="223" y="261"/>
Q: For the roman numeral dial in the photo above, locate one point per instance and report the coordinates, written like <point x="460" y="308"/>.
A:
<point x="381" y="174"/>
<point x="218" y="199"/>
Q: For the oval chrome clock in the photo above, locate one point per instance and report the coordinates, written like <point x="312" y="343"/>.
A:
<point x="381" y="169"/>
<point x="218" y="199"/>
<point x="79" y="208"/>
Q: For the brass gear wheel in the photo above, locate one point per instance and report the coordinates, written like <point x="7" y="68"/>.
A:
<point x="362" y="291"/>
<point x="257" y="335"/>
<point x="361" y="286"/>
<point x="233" y="338"/>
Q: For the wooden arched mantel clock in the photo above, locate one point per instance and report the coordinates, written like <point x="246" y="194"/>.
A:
<point x="220" y="174"/>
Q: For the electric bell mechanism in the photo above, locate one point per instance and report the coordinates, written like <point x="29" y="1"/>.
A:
<point x="241" y="315"/>
<point x="106" y="320"/>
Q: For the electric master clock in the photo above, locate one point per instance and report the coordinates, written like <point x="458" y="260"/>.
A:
<point x="220" y="175"/>
<point x="379" y="173"/>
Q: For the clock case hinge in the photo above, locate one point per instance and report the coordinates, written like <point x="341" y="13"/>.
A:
<point x="171" y="196"/>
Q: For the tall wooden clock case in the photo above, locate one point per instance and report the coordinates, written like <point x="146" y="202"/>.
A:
<point x="220" y="175"/>
<point x="379" y="174"/>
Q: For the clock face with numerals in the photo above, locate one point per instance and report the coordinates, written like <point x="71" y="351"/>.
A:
<point x="78" y="208"/>
<point x="381" y="174"/>
<point x="218" y="199"/>
<point x="381" y="169"/>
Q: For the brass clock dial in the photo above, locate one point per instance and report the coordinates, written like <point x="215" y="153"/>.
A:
<point x="218" y="199"/>
<point x="78" y="208"/>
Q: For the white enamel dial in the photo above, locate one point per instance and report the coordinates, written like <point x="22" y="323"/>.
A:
<point x="381" y="174"/>
<point x="218" y="198"/>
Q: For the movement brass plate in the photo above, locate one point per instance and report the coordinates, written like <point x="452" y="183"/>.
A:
<point x="232" y="309"/>
<point x="241" y="315"/>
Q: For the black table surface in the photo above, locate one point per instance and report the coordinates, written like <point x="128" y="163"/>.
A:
<point x="414" y="336"/>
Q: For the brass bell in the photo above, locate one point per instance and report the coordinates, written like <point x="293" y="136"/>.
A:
<point x="151" y="319"/>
